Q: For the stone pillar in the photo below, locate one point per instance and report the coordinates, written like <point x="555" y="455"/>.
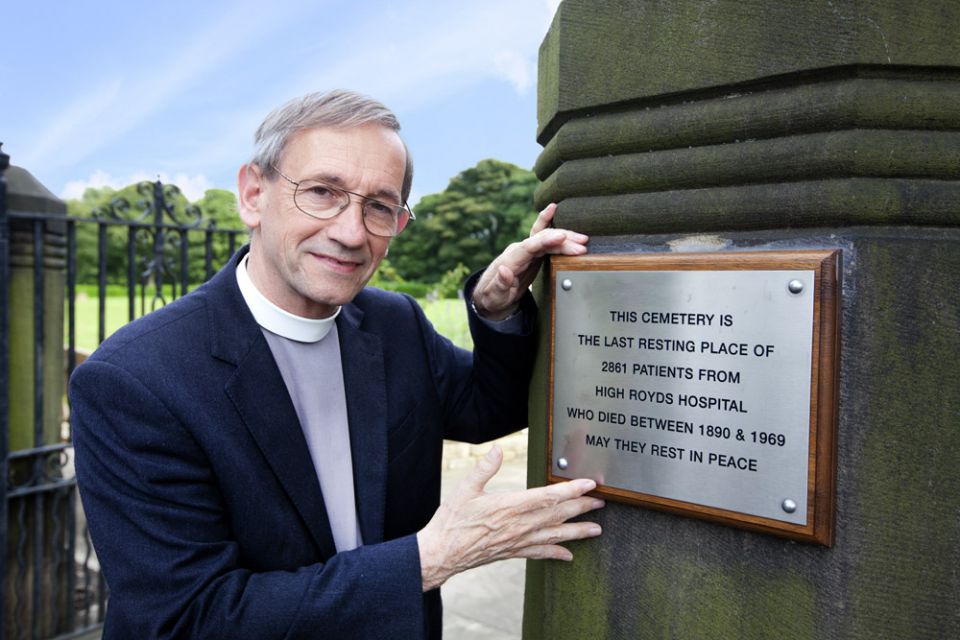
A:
<point x="36" y="594"/>
<point x="695" y="125"/>
<point x="26" y="194"/>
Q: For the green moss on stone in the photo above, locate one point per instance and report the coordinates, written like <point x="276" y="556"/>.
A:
<point x="579" y="595"/>
<point x="689" y="598"/>
<point x="905" y="582"/>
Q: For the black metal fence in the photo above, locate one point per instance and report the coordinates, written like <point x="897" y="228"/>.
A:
<point x="52" y="586"/>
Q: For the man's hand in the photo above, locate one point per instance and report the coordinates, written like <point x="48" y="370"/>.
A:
<point x="473" y="528"/>
<point x="498" y="293"/>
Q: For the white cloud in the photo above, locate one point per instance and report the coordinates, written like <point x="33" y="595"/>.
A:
<point x="515" y="68"/>
<point x="193" y="187"/>
<point x="75" y="189"/>
<point x="444" y="48"/>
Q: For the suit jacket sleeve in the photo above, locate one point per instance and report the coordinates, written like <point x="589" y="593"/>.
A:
<point x="487" y="398"/>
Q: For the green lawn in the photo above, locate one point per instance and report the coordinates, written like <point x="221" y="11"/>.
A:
<point x="448" y="316"/>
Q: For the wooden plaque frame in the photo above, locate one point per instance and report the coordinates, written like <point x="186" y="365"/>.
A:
<point x="821" y="468"/>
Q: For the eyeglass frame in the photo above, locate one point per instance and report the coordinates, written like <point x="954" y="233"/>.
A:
<point x="363" y="198"/>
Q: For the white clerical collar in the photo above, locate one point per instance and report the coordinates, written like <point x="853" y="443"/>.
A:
<point x="276" y="320"/>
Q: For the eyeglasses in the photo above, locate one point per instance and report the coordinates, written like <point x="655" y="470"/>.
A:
<point x="323" y="201"/>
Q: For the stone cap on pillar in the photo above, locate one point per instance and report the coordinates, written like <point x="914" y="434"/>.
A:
<point x="600" y="54"/>
<point x="694" y="116"/>
<point x="26" y="193"/>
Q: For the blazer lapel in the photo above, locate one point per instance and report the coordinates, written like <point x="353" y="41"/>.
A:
<point x="261" y="398"/>
<point x="264" y="404"/>
<point x="363" y="378"/>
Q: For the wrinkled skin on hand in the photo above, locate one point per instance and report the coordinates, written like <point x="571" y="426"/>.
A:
<point x="472" y="528"/>
<point x="498" y="293"/>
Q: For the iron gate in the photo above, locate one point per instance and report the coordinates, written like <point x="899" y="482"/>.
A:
<point x="52" y="586"/>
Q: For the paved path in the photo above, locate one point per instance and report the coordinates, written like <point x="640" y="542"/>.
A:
<point x="486" y="603"/>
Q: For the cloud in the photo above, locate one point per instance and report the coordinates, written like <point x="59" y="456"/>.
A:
<point x="445" y="47"/>
<point x="514" y="68"/>
<point x="134" y="89"/>
<point x="193" y="187"/>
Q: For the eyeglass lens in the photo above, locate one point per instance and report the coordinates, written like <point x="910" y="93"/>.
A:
<point x="324" y="201"/>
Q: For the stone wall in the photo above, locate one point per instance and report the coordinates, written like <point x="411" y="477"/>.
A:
<point x="732" y="126"/>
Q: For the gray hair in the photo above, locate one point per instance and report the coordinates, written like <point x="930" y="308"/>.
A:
<point x="338" y="108"/>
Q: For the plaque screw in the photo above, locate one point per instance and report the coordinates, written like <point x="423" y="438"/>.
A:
<point x="795" y="286"/>
<point x="562" y="463"/>
<point x="567" y="284"/>
<point x="789" y="505"/>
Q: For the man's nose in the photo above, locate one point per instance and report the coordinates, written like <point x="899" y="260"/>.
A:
<point x="347" y="226"/>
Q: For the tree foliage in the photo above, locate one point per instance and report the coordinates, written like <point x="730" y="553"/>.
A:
<point x="483" y="209"/>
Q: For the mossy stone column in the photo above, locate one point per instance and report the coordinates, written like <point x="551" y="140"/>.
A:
<point x="746" y="125"/>
<point x="28" y="514"/>
<point x="26" y="194"/>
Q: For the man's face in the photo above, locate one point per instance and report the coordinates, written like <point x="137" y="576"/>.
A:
<point x="307" y="266"/>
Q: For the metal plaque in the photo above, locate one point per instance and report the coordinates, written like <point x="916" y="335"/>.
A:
<point x="689" y="382"/>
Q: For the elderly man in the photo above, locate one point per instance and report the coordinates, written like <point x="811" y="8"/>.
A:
<point x="261" y="459"/>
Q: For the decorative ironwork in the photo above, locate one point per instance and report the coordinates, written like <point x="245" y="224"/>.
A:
<point x="158" y="265"/>
<point x="52" y="585"/>
<point x="38" y="468"/>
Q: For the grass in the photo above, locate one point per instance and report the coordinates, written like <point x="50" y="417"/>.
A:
<point x="449" y="317"/>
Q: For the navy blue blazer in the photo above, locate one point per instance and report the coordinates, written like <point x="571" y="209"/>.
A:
<point x="199" y="490"/>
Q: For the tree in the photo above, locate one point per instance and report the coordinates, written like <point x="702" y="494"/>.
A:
<point x="481" y="211"/>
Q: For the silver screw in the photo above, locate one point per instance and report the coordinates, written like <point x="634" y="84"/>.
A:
<point x="567" y="284"/>
<point x="789" y="505"/>
<point x="795" y="286"/>
<point x="562" y="463"/>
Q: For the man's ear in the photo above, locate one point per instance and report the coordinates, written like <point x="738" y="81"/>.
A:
<point x="250" y="185"/>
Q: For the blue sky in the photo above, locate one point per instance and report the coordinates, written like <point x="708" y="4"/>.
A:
<point x="110" y="92"/>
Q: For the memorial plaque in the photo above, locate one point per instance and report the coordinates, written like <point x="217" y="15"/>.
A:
<point x="703" y="384"/>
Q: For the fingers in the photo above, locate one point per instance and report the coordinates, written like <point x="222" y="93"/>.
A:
<point x="573" y="508"/>
<point x="544" y="219"/>
<point x="557" y="493"/>
<point x="552" y="536"/>
<point x="517" y="266"/>
<point x="474" y="528"/>
<point x="497" y="293"/>
<point x="522" y="257"/>
<point x="505" y="279"/>
<point x="556" y="241"/>
<point x="546" y="552"/>
<point x="486" y="468"/>
<point x="502" y="284"/>
<point x="544" y="525"/>
<point x="543" y="240"/>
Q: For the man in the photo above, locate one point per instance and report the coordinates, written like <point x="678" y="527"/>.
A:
<point x="260" y="459"/>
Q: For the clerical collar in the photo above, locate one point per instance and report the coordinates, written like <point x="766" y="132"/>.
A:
<point x="276" y="320"/>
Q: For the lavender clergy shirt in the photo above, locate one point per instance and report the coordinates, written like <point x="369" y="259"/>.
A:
<point x="307" y="352"/>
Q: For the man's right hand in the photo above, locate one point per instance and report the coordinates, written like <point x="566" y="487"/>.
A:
<point x="473" y="528"/>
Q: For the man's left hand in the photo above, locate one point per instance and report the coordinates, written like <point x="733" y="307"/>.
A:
<point x="497" y="294"/>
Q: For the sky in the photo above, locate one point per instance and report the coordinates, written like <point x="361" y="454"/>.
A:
<point x="110" y="92"/>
